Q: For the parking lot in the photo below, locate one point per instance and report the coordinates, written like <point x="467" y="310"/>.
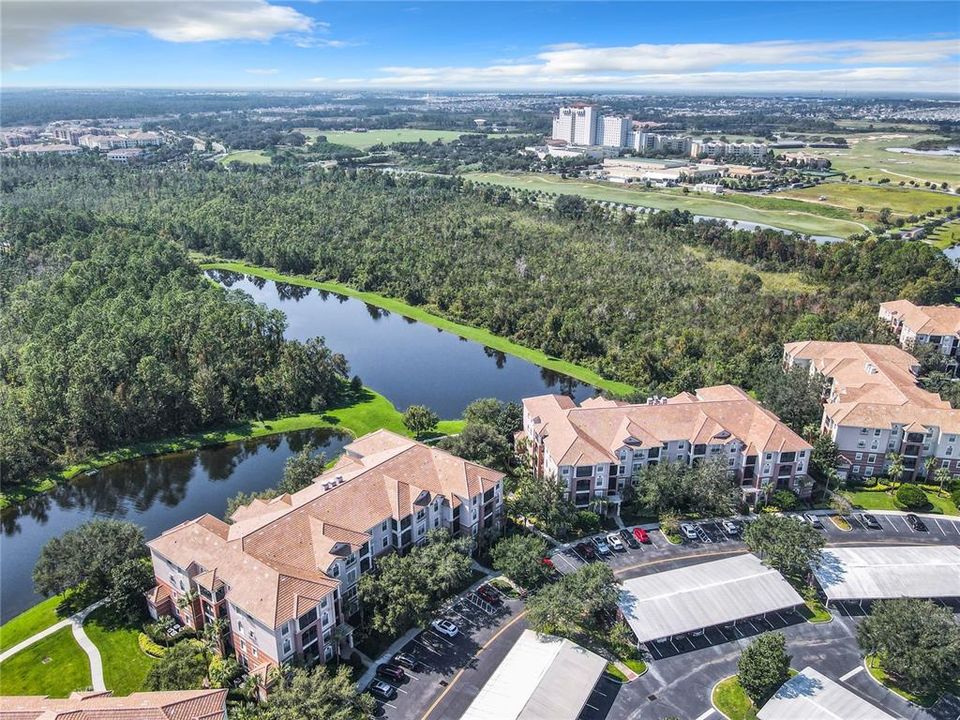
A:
<point x="441" y="658"/>
<point x="893" y="525"/>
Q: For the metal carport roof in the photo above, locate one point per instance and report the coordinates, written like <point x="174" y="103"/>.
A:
<point x="699" y="596"/>
<point x="877" y="573"/>
<point x="541" y="678"/>
<point x="810" y="695"/>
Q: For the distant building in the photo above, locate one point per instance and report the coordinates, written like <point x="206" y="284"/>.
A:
<point x="756" y="152"/>
<point x="645" y="142"/>
<point x="613" y="131"/>
<point x="112" y="142"/>
<point x="596" y="448"/>
<point x="124" y="155"/>
<point x="40" y="149"/>
<point x="712" y="188"/>
<point x="577" y="124"/>
<point x="937" y="325"/>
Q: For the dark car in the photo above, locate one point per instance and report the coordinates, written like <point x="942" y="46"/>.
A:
<point x="629" y="539"/>
<point x="870" y="522"/>
<point x="406" y="660"/>
<point x="916" y="523"/>
<point x="381" y="690"/>
<point x="391" y="672"/>
<point x="487" y="593"/>
<point x="587" y="551"/>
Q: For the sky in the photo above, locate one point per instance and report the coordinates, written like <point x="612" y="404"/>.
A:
<point x="790" y="46"/>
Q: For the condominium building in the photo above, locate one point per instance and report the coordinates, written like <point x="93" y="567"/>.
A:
<point x="102" y="705"/>
<point x="284" y="574"/>
<point x="614" y="130"/>
<point x="577" y="124"/>
<point x="756" y="152"/>
<point x="125" y="155"/>
<point x="645" y="142"/>
<point x="873" y="407"/>
<point x="41" y="149"/>
<point x="112" y="142"/>
<point x="937" y="325"/>
<point x="596" y="448"/>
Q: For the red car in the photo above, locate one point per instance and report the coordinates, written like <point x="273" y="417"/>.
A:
<point x="487" y="593"/>
<point x="548" y="562"/>
<point x="641" y="535"/>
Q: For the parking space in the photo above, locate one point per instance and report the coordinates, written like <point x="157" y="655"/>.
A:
<point x="601" y="699"/>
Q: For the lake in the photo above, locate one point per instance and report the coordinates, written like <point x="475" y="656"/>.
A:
<point x="155" y="493"/>
<point x="407" y="361"/>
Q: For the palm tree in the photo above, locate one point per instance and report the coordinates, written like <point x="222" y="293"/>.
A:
<point x="942" y="476"/>
<point x="249" y="687"/>
<point x="895" y="467"/>
<point x="213" y="634"/>
<point x="928" y="465"/>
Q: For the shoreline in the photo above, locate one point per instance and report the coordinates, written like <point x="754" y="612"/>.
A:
<point x="468" y="332"/>
<point x="371" y="413"/>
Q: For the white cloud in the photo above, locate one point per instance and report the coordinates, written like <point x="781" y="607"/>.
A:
<point x="922" y="65"/>
<point x="30" y="28"/>
<point x="262" y="71"/>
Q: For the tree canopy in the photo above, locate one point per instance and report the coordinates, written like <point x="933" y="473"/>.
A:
<point x="763" y="667"/>
<point x="318" y="694"/>
<point x="784" y="543"/>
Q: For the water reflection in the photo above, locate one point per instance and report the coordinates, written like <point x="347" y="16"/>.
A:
<point x="156" y="493"/>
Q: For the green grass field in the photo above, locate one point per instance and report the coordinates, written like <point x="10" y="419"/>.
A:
<point x="787" y="282"/>
<point x="125" y="666"/>
<point x="364" y="140"/>
<point x="878" y="674"/>
<point x="30" y="622"/>
<point x="251" y="157"/>
<point x="732" y="701"/>
<point x="884" y="500"/>
<point x="468" y="332"/>
<point x="945" y="236"/>
<point x="54" y="666"/>
<point x="902" y="201"/>
<point x="867" y="156"/>
<point x="791" y="215"/>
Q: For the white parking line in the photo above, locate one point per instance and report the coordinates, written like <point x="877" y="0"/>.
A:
<point x="440" y="637"/>
<point x="564" y="558"/>
<point x="592" y="707"/>
<point x="411" y="675"/>
<point x="388" y="705"/>
<point x="427" y="647"/>
<point x="850" y="674"/>
<point x="707" y="714"/>
<point x="402" y="690"/>
<point x="597" y="692"/>
<point x="942" y="532"/>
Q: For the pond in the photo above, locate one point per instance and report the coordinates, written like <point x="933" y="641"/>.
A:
<point x="155" y="493"/>
<point x="408" y="361"/>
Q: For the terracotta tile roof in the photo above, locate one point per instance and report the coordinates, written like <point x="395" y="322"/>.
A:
<point x="594" y="433"/>
<point x="925" y="319"/>
<point x="168" y="705"/>
<point x="278" y="550"/>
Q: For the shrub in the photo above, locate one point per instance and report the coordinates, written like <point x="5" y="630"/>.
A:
<point x="149" y="647"/>
<point x="870" y="482"/>
<point x="955" y="496"/>
<point x="586" y="522"/>
<point x="911" y="497"/>
<point x="785" y="500"/>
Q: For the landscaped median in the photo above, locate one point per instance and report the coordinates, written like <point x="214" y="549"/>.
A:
<point x="729" y="698"/>
<point x="468" y="332"/>
<point x="883" y="497"/>
<point x="371" y="411"/>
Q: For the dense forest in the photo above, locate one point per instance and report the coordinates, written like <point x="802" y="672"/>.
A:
<point x="118" y="337"/>
<point x="111" y="333"/>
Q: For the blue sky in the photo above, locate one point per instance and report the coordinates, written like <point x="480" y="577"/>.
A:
<point x="791" y="46"/>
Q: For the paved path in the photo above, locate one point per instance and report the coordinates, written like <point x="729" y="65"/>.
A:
<point x="76" y="623"/>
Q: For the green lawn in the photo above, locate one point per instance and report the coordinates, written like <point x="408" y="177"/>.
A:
<point x="878" y="674"/>
<point x="614" y="672"/>
<point x="30" y="622"/>
<point x="732" y="701"/>
<point x="884" y="500"/>
<point x="125" y="666"/>
<point x="901" y="200"/>
<point x="252" y="157"/>
<point x="54" y="666"/>
<point x="791" y="215"/>
<point x="867" y="157"/>
<point x="468" y="332"/>
<point x="774" y="282"/>
<point x="364" y="140"/>
<point x="945" y="236"/>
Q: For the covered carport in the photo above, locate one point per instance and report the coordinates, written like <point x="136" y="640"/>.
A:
<point x="811" y="694"/>
<point x="853" y="577"/>
<point x="669" y="605"/>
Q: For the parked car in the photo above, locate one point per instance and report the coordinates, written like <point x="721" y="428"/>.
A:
<point x="629" y="539"/>
<point x="601" y="545"/>
<point x="641" y="535"/>
<point x="445" y="627"/>
<point x="614" y="541"/>
<point x="390" y="671"/>
<point x="813" y="520"/>
<point x="586" y="551"/>
<point x="487" y="593"/>
<point x="870" y="522"/>
<point x="406" y="660"/>
<point x="916" y="523"/>
<point x="689" y="531"/>
<point x="548" y="562"/>
<point x="730" y="527"/>
<point x="383" y="691"/>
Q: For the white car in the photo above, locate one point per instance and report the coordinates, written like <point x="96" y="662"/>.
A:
<point x="601" y="545"/>
<point x="689" y="531"/>
<point x="445" y="627"/>
<point x="614" y="541"/>
<point x="730" y="527"/>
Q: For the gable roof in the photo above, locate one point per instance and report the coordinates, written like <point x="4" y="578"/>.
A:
<point x="925" y="319"/>
<point x="167" y="705"/>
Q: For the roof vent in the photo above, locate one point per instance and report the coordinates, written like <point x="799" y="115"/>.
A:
<point x="722" y="435"/>
<point x="870" y="368"/>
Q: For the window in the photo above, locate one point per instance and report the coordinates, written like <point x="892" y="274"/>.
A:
<point x="788" y="457"/>
<point x="653" y="452"/>
<point x="769" y="456"/>
<point x="949" y="450"/>
<point x="868" y="472"/>
<point x="243" y="646"/>
<point x="285" y="630"/>
<point x="861" y="444"/>
<point x="858" y="456"/>
<point x="871" y="458"/>
<point x="799" y="466"/>
<point x="855" y="468"/>
<point x="383" y="527"/>
<point x="876" y="432"/>
<point x="863" y="431"/>
<point x="255" y="653"/>
<point x="307" y="618"/>
<point x="335" y="570"/>
<point x="386" y="541"/>
<point x="951" y="438"/>
<point x="599" y="482"/>
<point x="287" y="647"/>
<point x="584" y="471"/>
